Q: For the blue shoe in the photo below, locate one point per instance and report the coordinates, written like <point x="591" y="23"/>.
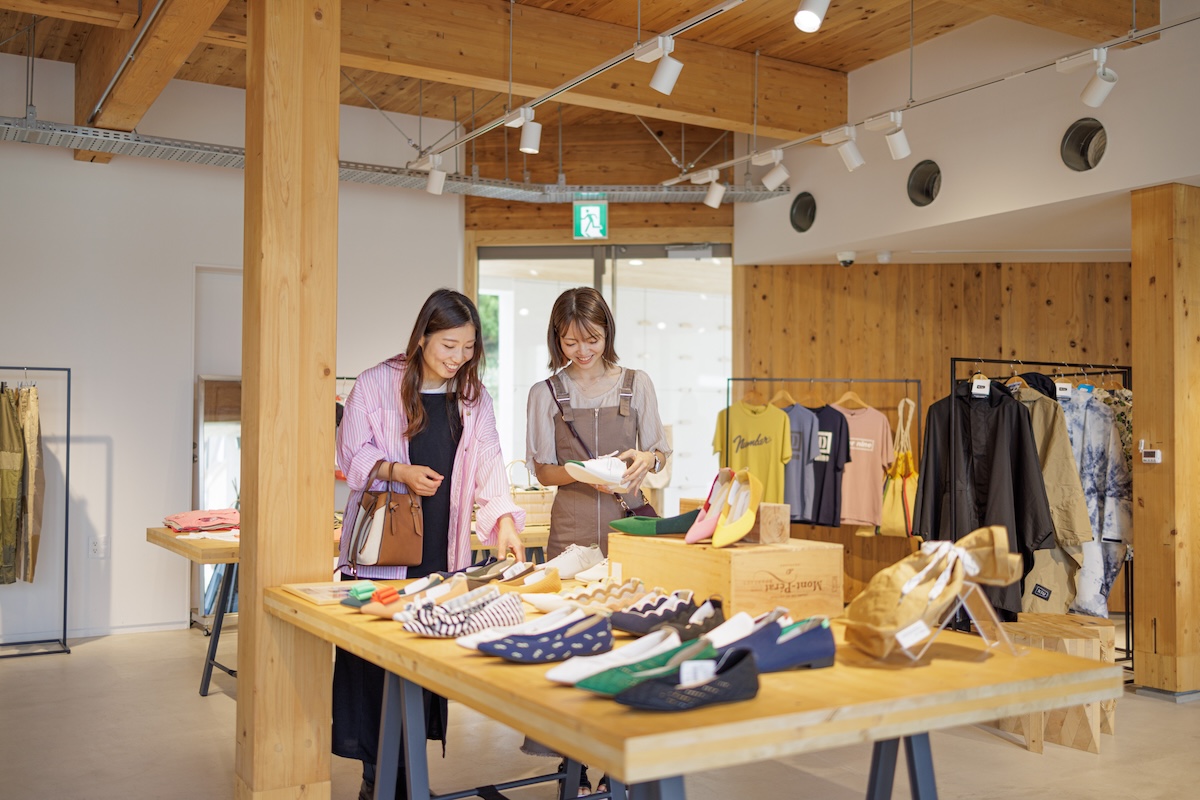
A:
<point x="679" y="607"/>
<point x="588" y="637"/>
<point x="807" y="644"/>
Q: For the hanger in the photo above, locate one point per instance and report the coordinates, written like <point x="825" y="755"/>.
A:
<point x="1015" y="378"/>
<point x="754" y="397"/>
<point x="851" y="399"/>
<point x="977" y="374"/>
<point x="783" y="399"/>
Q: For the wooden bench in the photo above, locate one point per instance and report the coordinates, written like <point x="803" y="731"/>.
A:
<point x="1077" y="726"/>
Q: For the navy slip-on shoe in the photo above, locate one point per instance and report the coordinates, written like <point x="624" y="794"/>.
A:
<point x="807" y="644"/>
<point x="677" y="608"/>
<point x="704" y="619"/>
<point x="735" y="679"/>
<point x="588" y="637"/>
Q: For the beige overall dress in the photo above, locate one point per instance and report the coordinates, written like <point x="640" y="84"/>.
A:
<point x="580" y="514"/>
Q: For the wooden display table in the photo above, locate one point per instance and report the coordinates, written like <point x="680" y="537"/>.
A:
<point x="856" y="700"/>
<point x="533" y="539"/>
<point x="209" y="551"/>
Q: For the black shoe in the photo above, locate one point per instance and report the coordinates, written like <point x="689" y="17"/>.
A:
<point x="736" y="679"/>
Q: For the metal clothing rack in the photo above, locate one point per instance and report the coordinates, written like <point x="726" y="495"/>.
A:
<point x="1126" y="374"/>
<point x="61" y="641"/>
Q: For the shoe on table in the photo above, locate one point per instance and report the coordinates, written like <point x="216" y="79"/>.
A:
<point x="587" y="637"/>
<point x="740" y="510"/>
<point x="667" y="662"/>
<point x="730" y="679"/>
<point x="549" y="622"/>
<point x="576" y="559"/>
<point x="679" y="607"/>
<point x="538" y="580"/>
<point x="653" y="526"/>
<point x="598" y="572"/>
<point x="601" y="471"/>
<point x="580" y="668"/>
<point x="708" y="616"/>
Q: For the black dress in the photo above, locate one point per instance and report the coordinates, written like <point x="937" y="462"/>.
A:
<point x="358" y="684"/>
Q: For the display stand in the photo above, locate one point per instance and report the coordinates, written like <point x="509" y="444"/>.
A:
<point x="974" y="603"/>
<point x="59" y="644"/>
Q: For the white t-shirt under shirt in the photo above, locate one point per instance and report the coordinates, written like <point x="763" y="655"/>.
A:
<point x="870" y="456"/>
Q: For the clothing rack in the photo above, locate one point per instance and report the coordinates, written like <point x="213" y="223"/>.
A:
<point x="61" y="642"/>
<point x="1083" y="370"/>
<point x="730" y="381"/>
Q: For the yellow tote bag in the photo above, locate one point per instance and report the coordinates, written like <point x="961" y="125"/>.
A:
<point x="900" y="486"/>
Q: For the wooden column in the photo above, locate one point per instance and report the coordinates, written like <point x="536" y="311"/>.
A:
<point x="288" y="361"/>
<point x="1166" y="360"/>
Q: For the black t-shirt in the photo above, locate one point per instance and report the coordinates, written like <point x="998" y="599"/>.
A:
<point x="434" y="447"/>
<point x="833" y="445"/>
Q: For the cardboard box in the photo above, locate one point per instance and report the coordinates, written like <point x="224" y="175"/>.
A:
<point x="805" y="577"/>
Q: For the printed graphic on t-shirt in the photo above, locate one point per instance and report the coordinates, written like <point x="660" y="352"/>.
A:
<point x="866" y="445"/>
<point x="824" y="445"/>
<point x="740" y="443"/>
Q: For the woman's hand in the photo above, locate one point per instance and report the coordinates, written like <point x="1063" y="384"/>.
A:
<point x="640" y="464"/>
<point x="422" y="480"/>
<point x="507" y="538"/>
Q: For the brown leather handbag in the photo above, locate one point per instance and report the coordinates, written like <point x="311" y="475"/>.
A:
<point x="389" y="530"/>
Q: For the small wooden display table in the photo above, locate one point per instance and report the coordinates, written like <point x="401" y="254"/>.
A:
<point x="856" y="700"/>
<point x="209" y="551"/>
<point x="533" y="539"/>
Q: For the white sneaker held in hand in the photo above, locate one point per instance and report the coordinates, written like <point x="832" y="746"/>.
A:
<point x="601" y="471"/>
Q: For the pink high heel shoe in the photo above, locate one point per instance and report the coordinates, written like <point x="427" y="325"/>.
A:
<point x="706" y="522"/>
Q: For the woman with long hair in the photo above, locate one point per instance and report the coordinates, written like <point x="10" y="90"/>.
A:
<point x="424" y="419"/>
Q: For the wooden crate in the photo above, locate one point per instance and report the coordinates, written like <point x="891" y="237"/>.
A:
<point x="1106" y="630"/>
<point x="804" y="577"/>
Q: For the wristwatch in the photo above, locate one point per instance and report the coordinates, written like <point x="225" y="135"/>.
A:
<point x="657" y="463"/>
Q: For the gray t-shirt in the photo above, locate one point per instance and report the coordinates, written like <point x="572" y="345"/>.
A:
<point x="541" y="411"/>
<point x="798" y="479"/>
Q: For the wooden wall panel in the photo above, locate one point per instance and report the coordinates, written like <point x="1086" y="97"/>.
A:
<point x="624" y="153"/>
<point x="906" y="321"/>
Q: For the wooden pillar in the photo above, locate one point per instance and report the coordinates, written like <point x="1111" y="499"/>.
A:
<point x="288" y="361"/>
<point x="1166" y="360"/>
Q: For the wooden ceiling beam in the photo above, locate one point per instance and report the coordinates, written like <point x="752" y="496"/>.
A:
<point x="170" y="39"/>
<point x="121" y="14"/>
<point x="465" y="43"/>
<point x="1086" y="19"/>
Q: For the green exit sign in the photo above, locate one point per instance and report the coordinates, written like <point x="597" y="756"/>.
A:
<point x="591" y="219"/>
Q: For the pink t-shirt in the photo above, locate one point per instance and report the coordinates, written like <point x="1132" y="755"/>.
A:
<point x="870" y="456"/>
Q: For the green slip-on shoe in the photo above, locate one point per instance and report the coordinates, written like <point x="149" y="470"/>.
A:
<point x="617" y="679"/>
<point x="653" y="526"/>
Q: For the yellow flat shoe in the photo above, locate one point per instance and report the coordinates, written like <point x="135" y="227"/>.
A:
<point x="737" y="518"/>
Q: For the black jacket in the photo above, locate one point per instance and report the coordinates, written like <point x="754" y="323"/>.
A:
<point x="997" y="480"/>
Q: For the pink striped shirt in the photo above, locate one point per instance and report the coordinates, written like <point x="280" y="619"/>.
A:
<point x="372" y="431"/>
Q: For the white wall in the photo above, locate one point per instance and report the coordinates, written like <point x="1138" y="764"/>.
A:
<point x="997" y="147"/>
<point x="99" y="272"/>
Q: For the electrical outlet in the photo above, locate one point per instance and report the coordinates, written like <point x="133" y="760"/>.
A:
<point x="98" y="547"/>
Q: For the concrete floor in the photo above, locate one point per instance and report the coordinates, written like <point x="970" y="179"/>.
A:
<point x="121" y="717"/>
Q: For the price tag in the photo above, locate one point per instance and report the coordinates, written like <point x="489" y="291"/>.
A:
<point x="513" y="571"/>
<point x="692" y="673"/>
<point x="913" y="634"/>
<point x="981" y="387"/>
<point x="1063" y="389"/>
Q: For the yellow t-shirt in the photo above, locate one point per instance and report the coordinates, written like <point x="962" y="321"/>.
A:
<point x="759" y="438"/>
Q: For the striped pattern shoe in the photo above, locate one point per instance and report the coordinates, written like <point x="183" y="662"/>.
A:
<point x="439" y="622"/>
<point x="588" y="637"/>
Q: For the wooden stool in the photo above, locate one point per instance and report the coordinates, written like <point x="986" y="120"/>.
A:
<point x="1073" y="726"/>
<point x="1108" y="635"/>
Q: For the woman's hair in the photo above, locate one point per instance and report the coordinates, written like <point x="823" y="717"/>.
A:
<point x="445" y="309"/>
<point x="586" y="309"/>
